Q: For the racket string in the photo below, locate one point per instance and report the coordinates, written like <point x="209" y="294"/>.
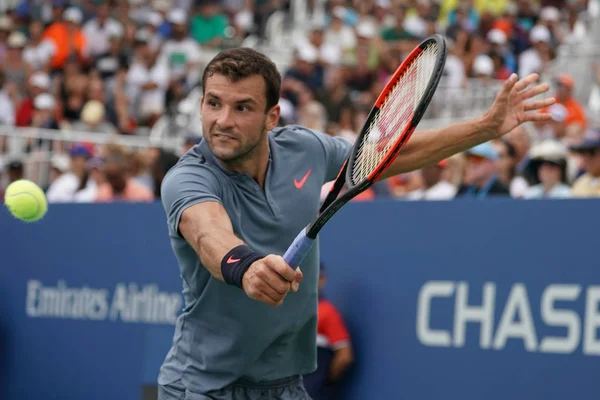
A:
<point x="394" y="114"/>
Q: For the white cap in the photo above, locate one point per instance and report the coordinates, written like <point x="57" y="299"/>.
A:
<point x="143" y="35"/>
<point x="551" y="150"/>
<point x="497" y="36"/>
<point x="44" y="101"/>
<point x="16" y="40"/>
<point x="415" y="26"/>
<point x="92" y="112"/>
<point x="5" y="23"/>
<point x="366" y="30"/>
<point x="558" y="112"/>
<point x="483" y="65"/>
<point x="307" y="52"/>
<point x="244" y="19"/>
<point x="177" y="16"/>
<point x="287" y="110"/>
<point x="549" y="14"/>
<point x="154" y="19"/>
<point x="539" y="33"/>
<point x="40" y="80"/>
<point x="115" y="31"/>
<point x="161" y="5"/>
<point x="339" y="12"/>
<point x="61" y="162"/>
<point x="73" y="14"/>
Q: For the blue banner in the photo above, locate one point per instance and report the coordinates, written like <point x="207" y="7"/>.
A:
<point x="490" y="299"/>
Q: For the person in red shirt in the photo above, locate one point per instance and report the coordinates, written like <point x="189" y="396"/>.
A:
<point x="334" y="349"/>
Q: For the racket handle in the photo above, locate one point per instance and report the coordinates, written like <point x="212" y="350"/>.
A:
<point x="298" y="249"/>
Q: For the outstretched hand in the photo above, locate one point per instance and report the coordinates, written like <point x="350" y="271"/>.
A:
<point x="513" y="105"/>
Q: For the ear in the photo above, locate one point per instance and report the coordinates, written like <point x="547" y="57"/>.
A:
<point x="273" y="117"/>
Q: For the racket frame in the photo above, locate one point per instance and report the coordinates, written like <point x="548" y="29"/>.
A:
<point x="332" y="203"/>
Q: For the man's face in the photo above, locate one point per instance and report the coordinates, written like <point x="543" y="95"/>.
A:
<point x="591" y="162"/>
<point x="478" y="170"/>
<point x="234" y="120"/>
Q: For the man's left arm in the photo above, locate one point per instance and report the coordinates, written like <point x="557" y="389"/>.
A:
<point x="512" y="107"/>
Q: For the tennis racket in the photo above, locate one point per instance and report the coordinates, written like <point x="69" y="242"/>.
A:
<point x="389" y="125"/>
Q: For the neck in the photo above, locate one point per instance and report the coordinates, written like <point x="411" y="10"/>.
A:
<point x="548" y="186"/>
<point x="483" y="181"/>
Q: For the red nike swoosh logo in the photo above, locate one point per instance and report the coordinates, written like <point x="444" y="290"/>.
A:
<point x="232" y="260"/>
<point x="302" y="181"/>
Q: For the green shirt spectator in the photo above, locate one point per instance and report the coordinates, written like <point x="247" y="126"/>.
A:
<point x="208" y="25"/>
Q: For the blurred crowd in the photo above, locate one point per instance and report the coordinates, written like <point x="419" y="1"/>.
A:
<point x="113" y="67"/>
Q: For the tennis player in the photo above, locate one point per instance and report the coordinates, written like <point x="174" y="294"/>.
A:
<point x="234" y="204"/>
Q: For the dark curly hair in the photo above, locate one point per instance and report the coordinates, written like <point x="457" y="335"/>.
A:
<point x="239" y="63"/>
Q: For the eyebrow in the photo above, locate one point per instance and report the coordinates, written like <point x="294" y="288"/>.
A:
<point x="241" y="101"/>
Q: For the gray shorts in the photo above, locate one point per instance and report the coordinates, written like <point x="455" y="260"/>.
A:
<point x="281" y="389"/>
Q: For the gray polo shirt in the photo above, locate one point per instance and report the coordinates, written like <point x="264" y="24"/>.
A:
<point x="222" y="334"/>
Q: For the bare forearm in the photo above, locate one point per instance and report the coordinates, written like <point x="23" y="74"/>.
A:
<point x="212" y="246"/>
<point x="341" y="361"/>
<point x="430" y="146"/>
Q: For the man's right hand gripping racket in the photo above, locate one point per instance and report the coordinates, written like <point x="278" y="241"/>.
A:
<point x="389" y="125"/>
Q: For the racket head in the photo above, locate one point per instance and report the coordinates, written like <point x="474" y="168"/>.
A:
<point x="360" y="172"/>
<point x="396" y="113"/>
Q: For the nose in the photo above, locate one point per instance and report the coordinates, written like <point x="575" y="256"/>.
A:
<point x="225" y="119"/>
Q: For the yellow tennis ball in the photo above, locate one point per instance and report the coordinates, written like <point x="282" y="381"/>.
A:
<point x="26" y="200"/>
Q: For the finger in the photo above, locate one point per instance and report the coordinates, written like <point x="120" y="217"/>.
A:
<point x="538" y="104"/>
<point x="254" y="292"/>
<point x="278" y="264"/>
<point x="534" y="91"/>
<point x="528" y="80"/>
<point x="537" y="117"/>
<point x="272" y="279"/>
<point x="260" y="296"/>
<point x="510" y="83"/>
<point x="297" y="280"/>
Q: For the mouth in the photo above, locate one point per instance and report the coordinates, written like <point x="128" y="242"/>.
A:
<point x="222" y="136"/>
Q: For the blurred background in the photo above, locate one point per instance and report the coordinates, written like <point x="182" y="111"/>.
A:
<point x="99" y="98"/>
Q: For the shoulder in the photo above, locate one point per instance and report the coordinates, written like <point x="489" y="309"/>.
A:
<point x="300" y="136"/>
<point x="192" y="168"/>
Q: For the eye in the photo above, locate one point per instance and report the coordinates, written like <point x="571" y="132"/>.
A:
<point x="243" y="108"/>
<point x="213" y="103"/>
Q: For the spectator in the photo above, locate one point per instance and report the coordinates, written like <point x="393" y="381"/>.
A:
<point x="434" y="186"/>
<point x="15" y="171"/>
<point x="147" y="83"/>
<point x="535" y="59"/>
<point x="481" y="174"/>
<point x="68" y="39"/>
<point x="119" y="185"/>
<point x="180" y="53"/>
<point x="557" y="126"/>
<point x="39" y="83"/>
<point x="99" y="30"/>
<point x="575" y="120"/>
<point x="334" y="349"/>
<point x="16" y="70"/>
<point x="74" y="181"/>
<point x="550" y="160"/>
<point x="507" y="169"/>
<point x="208" y="25"/>
<point x="588" y="184"/>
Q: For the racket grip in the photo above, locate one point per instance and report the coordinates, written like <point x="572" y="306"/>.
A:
<point x="298" y="250"/>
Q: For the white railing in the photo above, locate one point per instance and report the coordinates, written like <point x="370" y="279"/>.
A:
<point x="35" y="147"/>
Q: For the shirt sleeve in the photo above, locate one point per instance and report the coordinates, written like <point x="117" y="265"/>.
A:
<point x="337" y="151"/>
<point x="185" y="186"/>
<point x="334" y="328"/>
